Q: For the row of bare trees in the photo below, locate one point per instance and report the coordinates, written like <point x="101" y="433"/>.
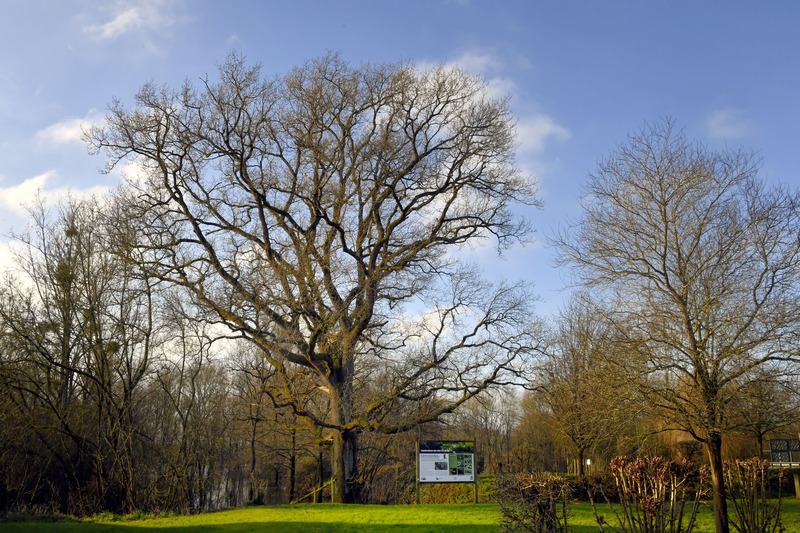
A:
<point x="119" y="395"/>
<point x="115" y="392"/>
<point x="696" y="261"/>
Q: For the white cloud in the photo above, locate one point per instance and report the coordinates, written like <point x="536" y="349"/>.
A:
<point x="132" y="16"/>
<point x="61" y="132"/>
<point x="534" y="132"/>
<point x="17" y="198"/>
<point x="6" y="258"/>
<point x="729" y="124"/>
<point x="131" y="171"/>
<point x="477" y="62"/>
<point x="67" y="131"/>
<point x="498" y="87"/>
<point x="481" y="64"/>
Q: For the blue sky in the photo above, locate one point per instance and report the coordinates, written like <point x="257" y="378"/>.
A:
<point x="581" y="76"/>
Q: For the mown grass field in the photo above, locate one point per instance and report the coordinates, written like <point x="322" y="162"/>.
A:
<point x="331" y="518"/>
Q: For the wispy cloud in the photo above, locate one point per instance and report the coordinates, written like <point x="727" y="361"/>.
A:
<point x="67" y="131"/>
<point x="729" y="124"/>
<point x="486" y="65"/>
<point x="477" y="62"/>
<point x="132" y="16"/>
<point x="534" y="132"/>
<point x="16" y="199"/>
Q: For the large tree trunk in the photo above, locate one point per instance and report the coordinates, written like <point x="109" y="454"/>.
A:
<point x="714" y="449"/>
<point x="345" y="467"/>
<point x="321" y="473"/>
<point x="345" y="440"/>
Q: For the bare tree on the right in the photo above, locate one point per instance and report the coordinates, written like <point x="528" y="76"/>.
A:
<point x="704" y="257"/>
<point x="767" y="404"/>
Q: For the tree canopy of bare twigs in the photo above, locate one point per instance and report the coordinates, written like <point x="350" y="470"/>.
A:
<point x="307" y="210"/>
<point x="702" y="256"/>
<point x="590" y="403"/>
<point x="77" y="340"/>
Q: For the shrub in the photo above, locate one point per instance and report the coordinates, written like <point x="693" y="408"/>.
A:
<point x="652" y="494"/>
<point x="749" y="485"/>
<point x="533" y="502"/>
<point x="456" y="492"/>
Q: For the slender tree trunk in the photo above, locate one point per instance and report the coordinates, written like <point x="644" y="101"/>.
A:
<point x="293" y="465"/>
<point x="581" y="473"/>
<point x="714" y="449"/>
<point x="321" y="468"/>
<point x="252" y="495"/>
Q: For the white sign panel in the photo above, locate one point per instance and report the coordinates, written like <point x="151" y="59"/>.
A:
<point x="447" y="461"/>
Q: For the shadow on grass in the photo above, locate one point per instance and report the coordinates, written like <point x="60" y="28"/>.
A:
<point x="332" y="519"/>
<point x="77" y="526"/>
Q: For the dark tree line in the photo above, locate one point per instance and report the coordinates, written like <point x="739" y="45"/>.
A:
<point x="174" y="415"/>
<point x="118" y="394"/>
<point x="114" y="394"/>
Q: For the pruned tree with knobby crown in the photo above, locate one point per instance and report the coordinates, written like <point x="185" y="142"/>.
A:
<point x="321" y="214"/>
<point x="704" y="260"/>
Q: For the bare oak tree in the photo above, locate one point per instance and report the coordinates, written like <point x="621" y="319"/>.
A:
<point x="703" y="257"/>
<point x="307" y="211"/>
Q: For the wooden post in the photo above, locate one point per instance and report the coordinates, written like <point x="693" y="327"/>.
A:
<point x="797" y="485"/>
<point x="475" y="467"/>
<point x="416" y="474"/>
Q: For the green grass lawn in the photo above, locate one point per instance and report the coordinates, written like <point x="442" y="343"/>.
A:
<point x="339" y="518"/>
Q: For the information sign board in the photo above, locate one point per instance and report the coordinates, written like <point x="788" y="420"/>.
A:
<point x="447" y="461"/>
